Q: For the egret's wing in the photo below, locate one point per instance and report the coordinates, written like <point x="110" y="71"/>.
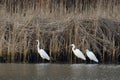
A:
<point x="79" y="54"/>
<point x="89" y="54"/>
<point x="44" y="54"/>
<point x="93" y="57"/>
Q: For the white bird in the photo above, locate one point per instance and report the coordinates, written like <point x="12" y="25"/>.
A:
<point x="91" y="55"/>
<point x="77" y="52"/>
<point x="42" y="53"/>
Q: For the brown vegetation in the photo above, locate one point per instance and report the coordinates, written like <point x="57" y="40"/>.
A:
<point x="88" y="24"/>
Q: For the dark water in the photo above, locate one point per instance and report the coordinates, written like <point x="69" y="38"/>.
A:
<point x="59" y="72"/>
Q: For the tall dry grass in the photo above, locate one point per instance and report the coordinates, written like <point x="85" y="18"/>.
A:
<point x="88" y="24"/>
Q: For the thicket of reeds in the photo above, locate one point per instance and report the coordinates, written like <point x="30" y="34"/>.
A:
<point x="89" y="24"/>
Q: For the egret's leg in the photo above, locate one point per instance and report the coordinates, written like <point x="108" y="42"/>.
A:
<point x="43" y="60"/>
<point x="90" y="61"/>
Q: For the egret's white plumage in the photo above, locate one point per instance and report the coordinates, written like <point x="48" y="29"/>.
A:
<point x="77" y="52"/>
<point x="91" y="55"/>
<point x="42" y="53"/>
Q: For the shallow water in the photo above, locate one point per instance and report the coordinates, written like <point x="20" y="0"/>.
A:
<point x="59" y="72"/>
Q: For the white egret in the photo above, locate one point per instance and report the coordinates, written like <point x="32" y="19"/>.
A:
<point x="77" y="52"/>
<point x="91" y="55"/>
<point x="42" y="53"/>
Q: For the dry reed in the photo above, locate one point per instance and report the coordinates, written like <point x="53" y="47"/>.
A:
<point x="88" y="24"/>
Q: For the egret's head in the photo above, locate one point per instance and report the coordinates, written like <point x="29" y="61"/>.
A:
<point x="72" y="45"/>
<point x="37" y="40"/>
<point x="87" y="50"/>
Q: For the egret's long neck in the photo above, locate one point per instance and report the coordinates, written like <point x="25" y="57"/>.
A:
<point x="87" y="50"/>
<point x="73" y="47"/>
<point x="38" y="45"/>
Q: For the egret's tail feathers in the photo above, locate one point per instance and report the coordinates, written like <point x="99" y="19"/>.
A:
<point x="48" y="58"/>
<point x="84" y="58"/>
<point x="96" y="60"/>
